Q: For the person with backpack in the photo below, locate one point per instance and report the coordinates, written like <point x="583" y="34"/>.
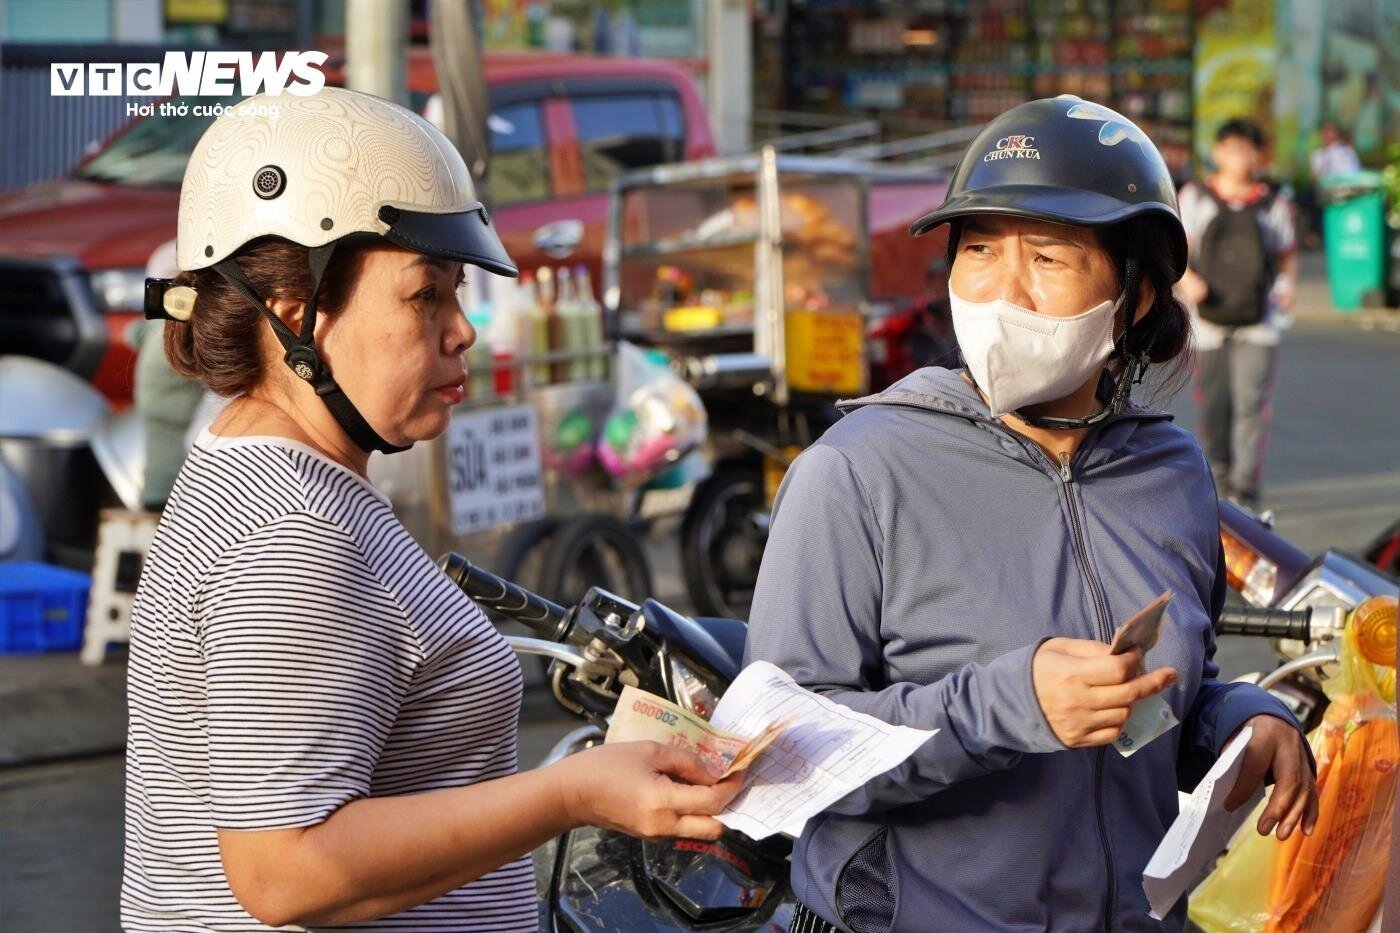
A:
<point x="1240" y="285"/>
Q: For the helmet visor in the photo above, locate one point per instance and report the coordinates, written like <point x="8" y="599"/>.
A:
<point x="466" y="236"/>
<point x="1075" y="208"/>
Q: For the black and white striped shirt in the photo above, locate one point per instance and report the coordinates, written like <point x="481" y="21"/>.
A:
<point x="292" y="650"/>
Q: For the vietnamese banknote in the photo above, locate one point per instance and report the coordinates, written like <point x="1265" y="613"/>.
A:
<point x="642" y="716"/>
<point x="1150" y="716"/>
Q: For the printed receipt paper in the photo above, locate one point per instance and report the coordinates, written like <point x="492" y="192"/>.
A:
<point x="1202" y="830"/>
<point x="824" y="751"/>
<point x="803" y="752"/>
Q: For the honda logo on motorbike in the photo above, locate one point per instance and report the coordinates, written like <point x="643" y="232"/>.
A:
<point x="1013" y="147"/>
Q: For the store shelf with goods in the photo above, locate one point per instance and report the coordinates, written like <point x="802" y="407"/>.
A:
<point x="964" y="61"/>
<point x="1153" y="44"/>
<point x="708" y="258"/>
<point x="690" y="245"/>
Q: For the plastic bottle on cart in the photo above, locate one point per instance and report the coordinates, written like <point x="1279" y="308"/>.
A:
<point x="547" y="281"/>
<point x="571" y="316"/>
<point x="477" y="307"/>
<point x="539" y="289"/>
<point x="590" y="324"/>
<point x="503" y="332"/>
<point x="561" y="325"/>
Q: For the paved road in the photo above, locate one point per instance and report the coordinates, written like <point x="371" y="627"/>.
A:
<point x="1333" y="477"/>
<point x="1332" y="473"/>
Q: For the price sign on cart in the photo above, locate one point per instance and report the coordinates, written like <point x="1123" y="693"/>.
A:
<point x="493" y="468"/>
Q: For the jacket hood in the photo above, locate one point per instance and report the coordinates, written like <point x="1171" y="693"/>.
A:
<point x="945" y="391"/>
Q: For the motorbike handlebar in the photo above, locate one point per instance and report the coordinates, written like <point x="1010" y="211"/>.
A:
<point x="1265" y="623"/>
<point x="509" y="599"/>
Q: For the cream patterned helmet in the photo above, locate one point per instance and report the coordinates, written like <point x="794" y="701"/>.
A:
<point x="318" y="168"/>
<point x="314" y="170"/>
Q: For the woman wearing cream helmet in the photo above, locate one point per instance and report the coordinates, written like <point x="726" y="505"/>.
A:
<point x="322" y="727"/>
<point x="957" y="552"/>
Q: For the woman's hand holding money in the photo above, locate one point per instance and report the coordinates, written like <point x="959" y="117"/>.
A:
<point x="645" y="789"/>
<point x="1087" y="693"/>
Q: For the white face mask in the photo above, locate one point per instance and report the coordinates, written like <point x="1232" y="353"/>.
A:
<point x="1019" y="357"/>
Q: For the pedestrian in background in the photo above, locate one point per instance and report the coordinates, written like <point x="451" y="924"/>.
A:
<point x="1334" y="155"/>
<point x="1240" y="286"/>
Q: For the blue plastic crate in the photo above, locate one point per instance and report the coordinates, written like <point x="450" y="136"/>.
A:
<point x="42" y="608"/>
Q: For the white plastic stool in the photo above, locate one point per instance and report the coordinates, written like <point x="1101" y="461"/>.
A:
<point x="123" y="538"/>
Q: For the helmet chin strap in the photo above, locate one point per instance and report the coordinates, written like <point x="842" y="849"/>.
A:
<point x="1134" y="366"/>
<point x="301" y="356"/>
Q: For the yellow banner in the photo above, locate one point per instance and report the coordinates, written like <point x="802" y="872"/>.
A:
<point x="826" y="352"/>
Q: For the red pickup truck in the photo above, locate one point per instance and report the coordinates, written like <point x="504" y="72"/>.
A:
<point x="73" y="250"/>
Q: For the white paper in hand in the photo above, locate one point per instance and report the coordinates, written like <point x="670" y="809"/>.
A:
<point x="826" y="751"/>
<point x="1201" y="831"/>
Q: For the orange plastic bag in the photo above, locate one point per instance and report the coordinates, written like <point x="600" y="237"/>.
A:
<point x="1333" y="880"/>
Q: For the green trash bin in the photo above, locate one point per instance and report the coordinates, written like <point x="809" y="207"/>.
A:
<point x="1353" y="227"/>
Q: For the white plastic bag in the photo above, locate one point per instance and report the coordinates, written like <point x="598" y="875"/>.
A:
<point x="656" y="419"/>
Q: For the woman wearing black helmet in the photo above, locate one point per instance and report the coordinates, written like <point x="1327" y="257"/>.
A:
<point x="956" y="553"/>
<point x="322" y="726"/>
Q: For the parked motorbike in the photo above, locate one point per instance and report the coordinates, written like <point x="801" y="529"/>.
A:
<point x="1302" y="604"/>
<point x="595" y="879"/>
<point x="726" y="526"/>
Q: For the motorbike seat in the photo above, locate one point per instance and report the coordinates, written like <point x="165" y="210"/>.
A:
<point x="730" y="633"/>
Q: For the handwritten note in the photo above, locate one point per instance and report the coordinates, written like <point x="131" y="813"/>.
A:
<point x="824" y="752"/>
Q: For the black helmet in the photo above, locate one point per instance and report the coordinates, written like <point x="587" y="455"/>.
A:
<point x="1068" y="161"/>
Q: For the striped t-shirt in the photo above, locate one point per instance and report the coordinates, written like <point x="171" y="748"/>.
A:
<point x="293" y="650"/>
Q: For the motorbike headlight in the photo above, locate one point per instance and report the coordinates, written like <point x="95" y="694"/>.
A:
<point x="120" y="289"/>
<point x="693" y="690"/>
<point x="1247" y="571"/>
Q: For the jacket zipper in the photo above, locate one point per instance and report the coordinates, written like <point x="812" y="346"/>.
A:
<point x="1066" y="471"/>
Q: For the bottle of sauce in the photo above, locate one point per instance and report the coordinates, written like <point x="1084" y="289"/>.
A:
<point x="561" y="327"/>
<point x="540" y="306"/>
<point x="590" y="325"/>
<point x="477" y="308"/>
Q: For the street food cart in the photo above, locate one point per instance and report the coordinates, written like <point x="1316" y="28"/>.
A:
<point x="757" y="279"/>
<point x="754" y="274"/>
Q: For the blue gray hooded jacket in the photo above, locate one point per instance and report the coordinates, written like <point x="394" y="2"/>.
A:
<point x="919" y="554"/>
